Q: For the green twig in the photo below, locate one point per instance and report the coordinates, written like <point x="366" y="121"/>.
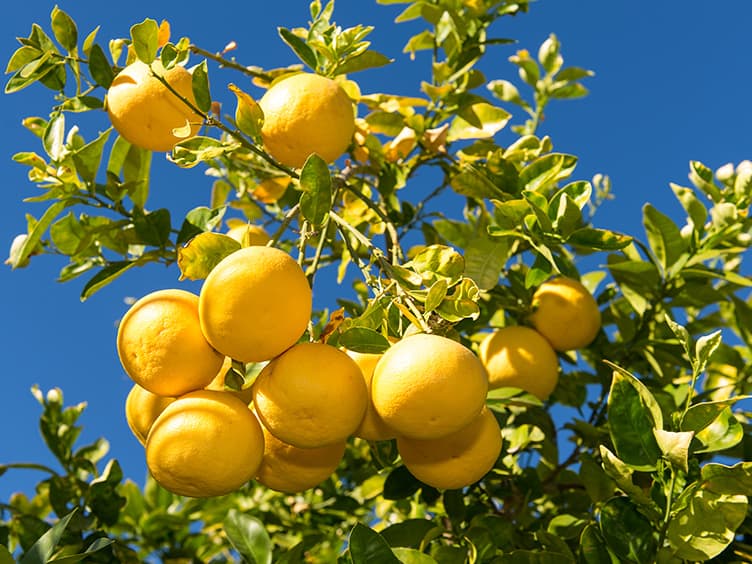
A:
<point x="217" y="58"/>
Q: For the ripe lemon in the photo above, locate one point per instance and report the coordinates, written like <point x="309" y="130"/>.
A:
<point x="303" y="114"/>
<point x="457" y="460"/>
<point x="290" y="469"/>
<point x="270" y="190"/>
<point x="219" y="383"/>
<point x="205" y="443"/>
<point x="427" y="386"/>
<point x="566" y="314"/>
<point x="253" y="234"/>
<point x="520" y="357"/>
<point x="372" y="427"/>
<point x="141" y="409"/>
<point x="145" y="112"/>
<point x="311" y="396"/>
<point x="255" y="304"/>
<point x="161" y="346"/>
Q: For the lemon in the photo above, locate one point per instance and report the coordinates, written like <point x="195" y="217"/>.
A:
<point x="427" y="386"/>
<point x="456" y="460"/>
<point x="141" y="409"/>
<point x="255" y="304"/>
<point x="161" y="346"/>
<point x="311" y="396"/>
<point x="218" y="383"/>
<point x="145" y="113"/>
<point x="248" y="234"/>
<point x="565" y="313"/>
<point x="304" y="114"/>
<point x="519" y="357"/>
<point x="272" y="189"/>
<point x="290" y="469"/>
<point x="372" y="427"/>
<point x="204" y="444"/>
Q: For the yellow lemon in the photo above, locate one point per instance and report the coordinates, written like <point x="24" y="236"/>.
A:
<point x="456" y="460"/>
<point x="519" y="357"/>
<point x="251" y="234"/>
<point x="304" y="114"/>
<point x="255" y="304"/>
<point x="145" y="113"/>
<point x="141" y="409"/>
<point x="161" y="346"/>
<point x="219" y="383"/>
<point x="372" y="427"/>
<point x="205" y="443"/>
<point x="270" y="190"/>
<point x="290" y="469"/>
<point x="566" y="314"/>
<point x="427" y="386"/>
<point x="311" y="396"/>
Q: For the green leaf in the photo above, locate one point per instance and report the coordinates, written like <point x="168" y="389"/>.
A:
<point x="202" y="253"/>
<point x="20" y="257"/>
<point x="527" y="557"/>
<point x="462" y="303"/>
<point x="626" y="531"/>
<point x="299" y="47"/>
<point x="593" y="549"/>
<point x="316" y="184"/>
<point x="545" y="171"/>
<point x="435" y="295"/>
<point x="701" y="415"/>
<point x="599" y="239"/>
<point x="200" y="86"/>
<point x="409" y="533"/>
<point x="702" y="177"/>
<point x="505" y="91"/>
<point x="706" y="523"/>
<point x="22" y="57"/>
<point x="5" y="556"/>
<point x="675" y="446"/>
<point x="64" y="29"/>
<point x="480" y="120"/>
<point x="400" y="484"/>
<point x="249" y="117"/>
<point x="723" y="433"/>
<point x="106" y="275"/>
<point x="145" y="40"/>
<point x="731" y="480"/>
<point x="366" y="60"/>
<point x="412" y="556"/>
<point x="473" y="182"/>
<point x="89" y="157"/>
<point x="695" y="209"/>
<point x="484" y="260"/>
<point x="190" y="152"/>
<point x="363" y="340"/>
<point x="705" y="347"/>
<point x="438" y="261"/>
<point x="96" y="546"/>
<point x="153" y="228"/>
<point x="199" y="220"/>
<point x="664" y="237"/>
<point x="248" y="536"/>
<point x="366" y="546"/>
<point x="633" y="413"/>
<point x="54" y="136"/>
<point x="41" y="551"/>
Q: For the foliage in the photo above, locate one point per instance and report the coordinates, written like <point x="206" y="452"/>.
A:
<point x="652" y="462"/>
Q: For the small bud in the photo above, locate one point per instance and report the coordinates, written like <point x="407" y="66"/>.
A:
<point x="55" y="396"/>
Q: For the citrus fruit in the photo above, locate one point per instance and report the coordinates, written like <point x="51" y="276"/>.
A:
<point x="252" y="234"/>
<point x="311" y="396"/>
<point x="270" y="190"/>
<point x="145" y="113"/>
<point x="456" y="460"/>
<point x="566" y="314"/>
<point x="161" y="346"/>
<point x="520" y="357"/>
<point x="372" y="427"/>
<point x="303" y="114"/>
<point x="205" y="443"/>
<point x="255" y="304"/>
<point x="427" y="386"/>
<point x="141" y="409"/>
<point x="218" y="383"/>
<point x="290" y="469"/>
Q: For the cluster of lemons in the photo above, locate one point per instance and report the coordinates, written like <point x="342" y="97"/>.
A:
<point x="289" y="429"/>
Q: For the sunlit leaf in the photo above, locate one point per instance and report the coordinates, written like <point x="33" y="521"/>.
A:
<point x="249" y="537"/>
<point x="106" y="275"/>
<point x="249" y="117"/>
<point x="478" y="121"/>
<point x="145" y="40"/>
<point x="64" y="29"/>
<point x="363" y="340"/>
<point x="316" y="184"/>
<point x="202" y="253"/>
<point x="200" y="87"/>
<point x="299" y="47"/>
<point x="484" y="261"/>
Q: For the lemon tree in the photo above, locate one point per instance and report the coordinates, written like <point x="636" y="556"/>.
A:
<point x="497" y="376"/>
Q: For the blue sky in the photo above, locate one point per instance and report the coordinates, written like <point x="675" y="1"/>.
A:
<point x="672" y="84"/>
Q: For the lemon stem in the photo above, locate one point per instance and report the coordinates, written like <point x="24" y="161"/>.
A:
<point x="291" y="213"/>
<point x="227" y="63"/>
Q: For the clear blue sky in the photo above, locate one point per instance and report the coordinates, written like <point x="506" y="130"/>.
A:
<point x="672" y="84"/>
